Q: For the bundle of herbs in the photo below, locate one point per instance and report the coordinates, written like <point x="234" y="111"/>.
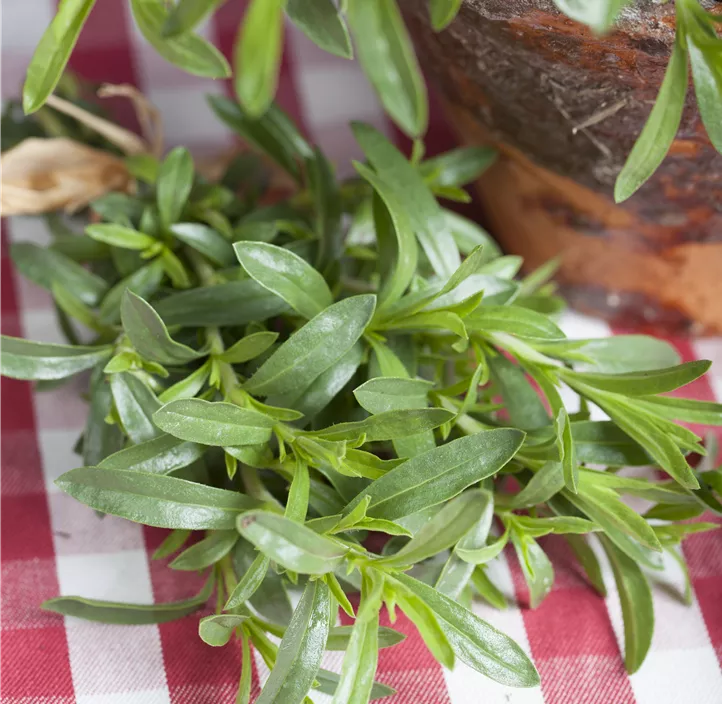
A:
<point x="353" y="358"/>
<point x="290" y="371"/>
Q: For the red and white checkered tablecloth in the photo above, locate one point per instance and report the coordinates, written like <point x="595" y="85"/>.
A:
<point x="53" y="545"/>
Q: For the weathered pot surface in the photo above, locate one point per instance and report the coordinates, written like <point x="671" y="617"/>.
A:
<point x="564" y="107"/>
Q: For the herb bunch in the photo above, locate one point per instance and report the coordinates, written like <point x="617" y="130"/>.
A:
<point x="288" y="377"/>
<point x="385" y="51"/>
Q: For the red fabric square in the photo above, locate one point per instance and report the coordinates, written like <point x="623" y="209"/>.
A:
<point x="25" y="585"/>
<point x="585" y="680"/>
<point x="35" y="663"/>
<point x="20" y="459"/>
<point x="26" y="532"/>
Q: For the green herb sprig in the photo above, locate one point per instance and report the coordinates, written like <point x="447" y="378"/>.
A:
<point x="354" y="358"/>
<point x="386" y="54"/>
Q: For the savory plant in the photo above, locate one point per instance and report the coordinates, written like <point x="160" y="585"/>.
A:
<point x="386" y="54"/>
<point x="288" y="375"/>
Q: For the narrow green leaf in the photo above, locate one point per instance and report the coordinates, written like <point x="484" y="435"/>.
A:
<point x="327" y="207"/>
<point x="322" y="23"/>
<point x="359" y="663"/>
<point x="249" y="347"/>
<point x="213" y="423"/>
<point x="300" y="652"/>
<point x="604" y="507"/>
<point x="274" y="134"/>
<point x="339" y="595"/>
<point x="327" y="681"/>
<point x="603" y="442"/>
<point x="426" y="217"/>
<point x="189" y="386"/>
<point x="186" y="15"/>
<point x="270" y="600"/>
<point x="143" y="282"/>
<point x="655" y="381"/>
<point x="443" y="12"/>
<point x="206" y="552"/>
<point x="439" y="474"/>
<point x="658" y="134"/>
<point x="546" y="482"/>
<point x="454" y="577"/>
<point x="339" y="636"/>
<point x="294" y="546"/>
<point x="521" y="401"/>
<point x="535" y="565"/>
<point x="598" y="15"/>
<point x="656" y="440"/>
<point x="119" y="236"/>
<point x="482" y="555"/>
<point x="637" y="607"/>
<point x="100" y="439"/>
<point x="614" y="355"/>
<point x="707" y="75"/>
<point x="257" y="55"/>
<point x="160" y="455"/>
<point x="187" y="51"/>
<point x="428" y="625"/>
<point x="69" y="304"/>
<point x="558" y="525"/>
<point x="44" y="267"/>
<point x="127" y="614"/>
<point x="175" y="180"/>
<point x="297" y="504"/>
<point x="135" y="404"/>
<point x="567" y="451"/>
<point x="486" y="589"/>
<point x="217" y="629"/>
<point x="205" y="240"/>
<point x="514" y="320"/>
<point x="24" y="359"/>
<point x="684" y="409"/>
<point x="149" y="335"/>
<point x="387" y="56"/>
<point x="674" y="533"/>
<point x="443" y="531"/>
<point x="391" y="394"/>
<point x="228" y="304"/>
<point x="397" y="393"/>
<point x="155" y="500"/>
<point x="323" y="389"/>
<point x="588" y="561"/>
<point x="314" y="348"/>
<point x="457" y="167"/>
<point x="287" y="275"/>
<point x="53" y="51"/>
<point x="249" y="583"/>
<point x="173" y="542"/>
<point x="351" y="519"/>
<point x="398" y="251"/>
<point x="474" y="641"/>
<point x="388" y="425"/>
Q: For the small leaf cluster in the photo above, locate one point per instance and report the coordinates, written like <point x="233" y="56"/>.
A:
<point x="288" y="376"/>
<point x="385" y="52"/>
<point x="697" y="44"/>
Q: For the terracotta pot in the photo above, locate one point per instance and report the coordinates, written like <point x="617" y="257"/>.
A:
<point x="564" y="107"/>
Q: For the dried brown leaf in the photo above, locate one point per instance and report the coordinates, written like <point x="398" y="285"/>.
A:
<point x="42" y="175"/>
